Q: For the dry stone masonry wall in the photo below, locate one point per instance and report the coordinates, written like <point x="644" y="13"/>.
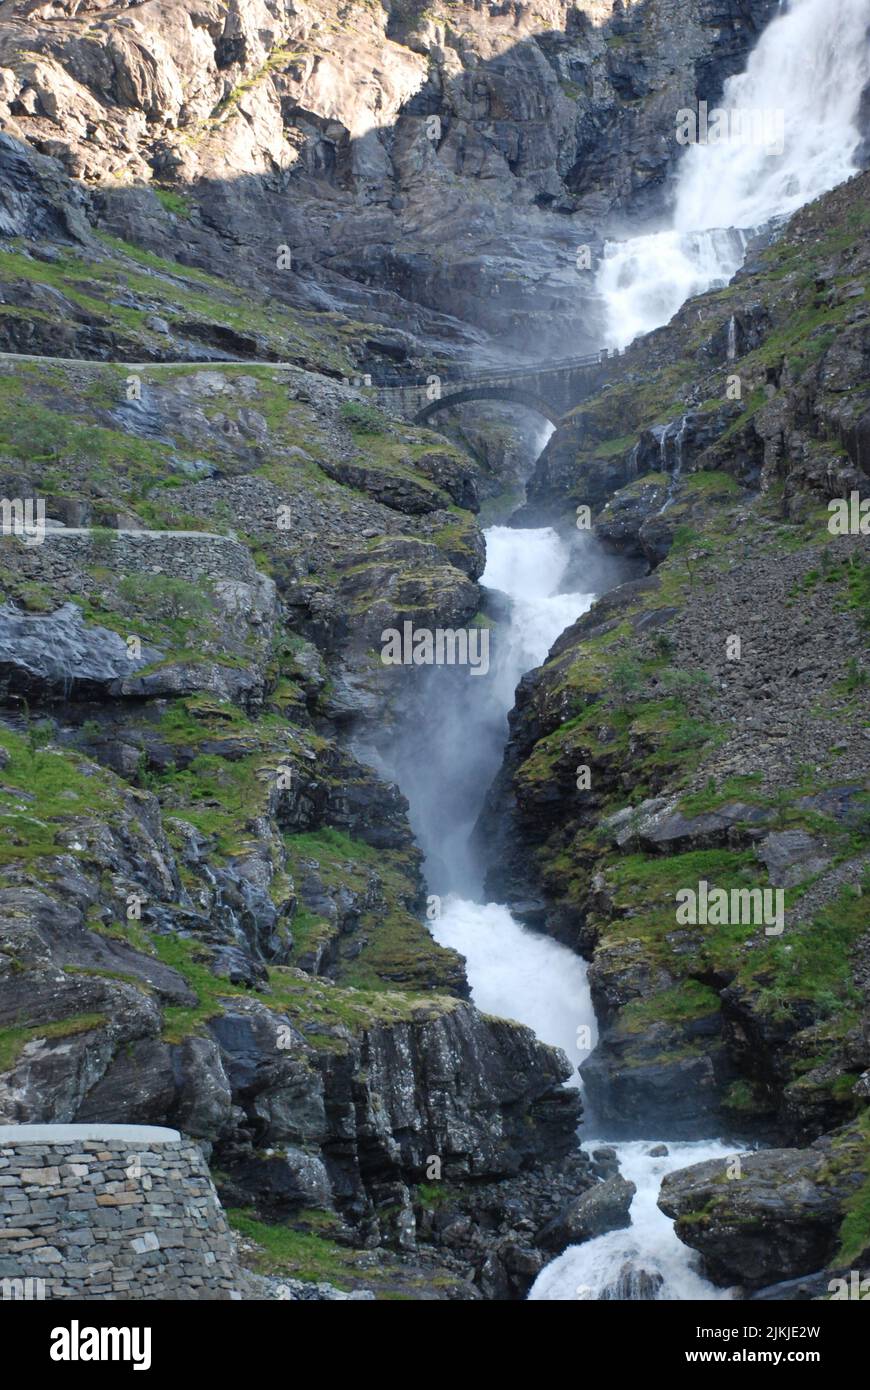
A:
<point x="111" y="1212"/>
<point x="189" y="555"/>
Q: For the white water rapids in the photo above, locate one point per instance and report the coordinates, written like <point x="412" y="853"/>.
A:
<point x="594" y="1270"/>
<point x="517" y="973"/>
<point x="514" y="972"/>
<point x="811" y="63"/>
<point x="805" y="76"/>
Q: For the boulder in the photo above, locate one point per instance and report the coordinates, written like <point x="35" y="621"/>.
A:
<point x="59" y="655"/>
<point x="603" y="1208"/>
<point x="778" y="1219"/>
<point x="791" y="857"/>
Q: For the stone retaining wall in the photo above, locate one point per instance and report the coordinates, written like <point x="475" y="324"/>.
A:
<point x="187" y="555"/>
<point x="110" y="1217"/>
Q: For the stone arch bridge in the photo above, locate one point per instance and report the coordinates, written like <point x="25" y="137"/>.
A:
<point x="551" y="389"/>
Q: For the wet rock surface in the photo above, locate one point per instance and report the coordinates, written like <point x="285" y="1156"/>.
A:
<point x="779" y="1219"/>
<point x="603" y="1208"/>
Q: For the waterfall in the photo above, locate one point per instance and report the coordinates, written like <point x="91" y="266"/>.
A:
<point x="447" y="752"/>
<point x="517" y="973"/>
<point x="645" y="1260"/>
<point x="814" y="70"/>
<point x="514" y="972"/>
<point x="445" y="769"/>
<point x="803" y="83"/>
<point x="528" y="566"/>
<point x="645" y="280"/>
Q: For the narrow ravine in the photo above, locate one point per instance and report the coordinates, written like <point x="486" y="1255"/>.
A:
<point x="517" y="973"/>
<point x="809" y="73"/>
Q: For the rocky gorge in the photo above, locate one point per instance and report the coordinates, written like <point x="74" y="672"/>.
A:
<point x="219" y="224"/>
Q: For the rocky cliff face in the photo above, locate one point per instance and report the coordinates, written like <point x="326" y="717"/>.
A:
<point x="211" y="911"/>
<point x="239" y="128"/>
<point x="213" y="217"/>
<point x="706" y="722"/>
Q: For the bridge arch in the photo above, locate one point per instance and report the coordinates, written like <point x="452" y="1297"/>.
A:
<point x="510" y="394"/>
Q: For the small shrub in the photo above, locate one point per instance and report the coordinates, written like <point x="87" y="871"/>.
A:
<point x="626" y="676"/>
<point x="367" y="419"/>
<point x="39" y="735"/>
<point x="162" y="596"/>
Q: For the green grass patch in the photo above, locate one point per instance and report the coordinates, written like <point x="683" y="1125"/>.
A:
<point x="43" y="789"/>
<point x="14" y="1039"/>
<point x="855" y="1230"/>
<point x="300" y="1254"/>
<point x="811" y="961"/>
<point x="173" y="202"/>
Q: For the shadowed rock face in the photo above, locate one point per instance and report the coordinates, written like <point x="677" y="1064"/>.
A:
<point x="328" y="132"/>
<point x="780" y="1218"/>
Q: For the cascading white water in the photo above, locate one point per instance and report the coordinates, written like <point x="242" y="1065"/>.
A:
<point x="528" y="566"/>
<point x="808" y="69"/>
<point x="447" y="753"/>
<point x="645" y="280"/>
<point x="814" y="69"/>
<point x="517" y="973"/>
<point x="647" y="1250"/>
<point x="811" y="64"/>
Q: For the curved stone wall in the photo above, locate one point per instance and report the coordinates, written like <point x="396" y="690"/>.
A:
<point x="110" y="1212"/>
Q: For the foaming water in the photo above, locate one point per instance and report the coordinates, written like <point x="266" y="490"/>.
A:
<point x="516" y="973"/>
<point x="811" y="63"/>
<point x="809" y="68"/>
<point x="644" y="1261"/>
<point x="528" y="566"/>
<point x="446" y="755"/>
<point x="644" y="281"/>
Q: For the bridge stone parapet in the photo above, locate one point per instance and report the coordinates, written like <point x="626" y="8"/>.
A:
<point x="552" y="390"/>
